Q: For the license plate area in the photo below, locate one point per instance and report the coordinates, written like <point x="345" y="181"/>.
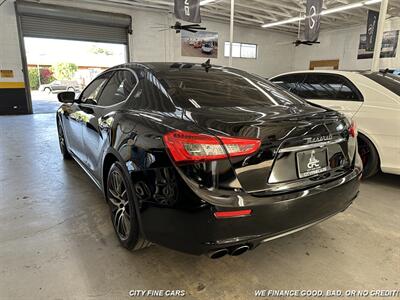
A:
<point x="312" y="162"/>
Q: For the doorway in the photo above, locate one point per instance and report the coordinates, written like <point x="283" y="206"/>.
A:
<point x="63" y="48"/>
<point x="332" y="64"/>
<point x="56" y="66"/>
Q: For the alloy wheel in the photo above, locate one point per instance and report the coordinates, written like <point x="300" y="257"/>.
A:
<point x="119" y="204"/>
<point x="61" y="140"/>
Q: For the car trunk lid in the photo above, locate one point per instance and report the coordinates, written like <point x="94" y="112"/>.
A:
<point x="289" y="135"/>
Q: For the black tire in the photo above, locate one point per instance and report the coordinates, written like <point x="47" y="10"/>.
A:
<point x="47" y="90"/>
<point x="62" y="142"/>
<point x="71" y="89"/>
<point x="369" y="156"/>
<point x="123" y="209"/>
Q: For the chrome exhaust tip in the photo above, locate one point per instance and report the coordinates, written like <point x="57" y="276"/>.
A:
<point x="217" y="253"/>
<point x="239" y="250"/>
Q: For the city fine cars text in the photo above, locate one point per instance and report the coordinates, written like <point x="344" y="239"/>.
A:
<point x="157" y="293"/>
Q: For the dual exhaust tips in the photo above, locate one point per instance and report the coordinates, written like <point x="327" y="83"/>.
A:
<point x="234" y="251"/>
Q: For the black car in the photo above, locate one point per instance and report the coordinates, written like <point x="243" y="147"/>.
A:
<point x="207" y="159"/>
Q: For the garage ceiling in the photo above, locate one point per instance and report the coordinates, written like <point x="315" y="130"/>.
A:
<point x="258" y="12"/>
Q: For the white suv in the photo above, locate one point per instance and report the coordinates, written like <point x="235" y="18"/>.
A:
<point x="371" y="99"/>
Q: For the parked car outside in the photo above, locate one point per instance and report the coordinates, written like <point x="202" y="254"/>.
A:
<point x="371" y="99"/>
<point x="207" y="48"/>
<point x="60" y="85"/>
<point x="208" y="159"/>
<point x="197" y="44"/>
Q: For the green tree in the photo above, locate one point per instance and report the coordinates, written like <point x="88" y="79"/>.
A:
<point x="33" y="75"/>
<point x="99" y="50"/>
<point x="64" y="71"/>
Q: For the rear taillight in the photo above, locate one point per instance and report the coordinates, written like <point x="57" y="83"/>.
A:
<point x="185" y="146"/>
<point x="353" y="129"/>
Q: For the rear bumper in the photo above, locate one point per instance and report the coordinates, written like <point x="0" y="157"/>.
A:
<point x="197" y="231"/>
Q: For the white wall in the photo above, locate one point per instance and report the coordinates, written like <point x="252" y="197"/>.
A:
<point x="10" y="55"/>
<point x="150" y="44"/>
<point x="343" y="44"/>
<point x="275" y="50"/>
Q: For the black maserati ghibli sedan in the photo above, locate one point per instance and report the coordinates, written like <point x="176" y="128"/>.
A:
<point x="207" y="159"/>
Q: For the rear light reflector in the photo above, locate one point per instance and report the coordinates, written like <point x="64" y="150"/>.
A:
<point x="185" y="146"/>
<point x="353" y="129"/>
<point x="232" y="214"/>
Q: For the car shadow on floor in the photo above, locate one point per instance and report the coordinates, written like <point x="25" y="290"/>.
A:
<point x="389" y="180"/>
<point x="45" y="106"/>
<point x="329" y="255"/>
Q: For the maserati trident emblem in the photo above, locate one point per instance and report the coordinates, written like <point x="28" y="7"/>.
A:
<point x="312" y="14"/>
<point x="313" y="162"/>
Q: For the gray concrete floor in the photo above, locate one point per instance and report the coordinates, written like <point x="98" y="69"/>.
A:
<point x="57" y="241"/>
<point x="43" y="102"/>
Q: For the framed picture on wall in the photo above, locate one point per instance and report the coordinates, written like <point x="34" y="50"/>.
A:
<point x="200" y="44"/>
<point x="389" y="45"/>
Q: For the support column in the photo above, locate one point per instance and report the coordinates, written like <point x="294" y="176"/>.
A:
<point x="231" y="31"/>
<point x="379" y="36"/>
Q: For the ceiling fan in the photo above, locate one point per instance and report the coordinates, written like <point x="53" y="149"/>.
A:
<point x="178" y="27"/>
<point x="300" y="42"/>
<point x="297" y="43"/>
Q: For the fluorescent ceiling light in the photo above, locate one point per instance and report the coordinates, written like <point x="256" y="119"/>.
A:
<point x="341" y="8"/>
<point x="324" y="12"/>
<point x="292" y="20"/>
<point x="204" y="2"/>
<point x="369" y="2"/>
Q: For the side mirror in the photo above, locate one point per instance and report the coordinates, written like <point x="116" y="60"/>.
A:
<point x="66" y="97"/>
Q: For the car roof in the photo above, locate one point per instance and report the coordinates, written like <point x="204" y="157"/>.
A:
<point x="161" y="67"/>
<point x="339" y="72"/>
<point x="353" y="75"/>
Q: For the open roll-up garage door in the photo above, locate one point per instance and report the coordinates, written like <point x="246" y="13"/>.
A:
<point x="51" y="21"/>
<point x="36" y="20"/>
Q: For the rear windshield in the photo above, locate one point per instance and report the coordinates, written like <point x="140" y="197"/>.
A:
<point x="389" y="81"/>
<point x="223" y="87"/>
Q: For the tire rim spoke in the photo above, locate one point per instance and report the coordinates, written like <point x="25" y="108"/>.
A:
<point x="61" y="138"/>
<point x="113" y="201"/>
<point x="114" y="181"/>
<point x="118" y="183"/>
<point x="120" y="226"/>
<point x="116" y="213"/>
<point x="117" y="218"/>
<point x="115" y="196"/>
<point x="125" y="224"/>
